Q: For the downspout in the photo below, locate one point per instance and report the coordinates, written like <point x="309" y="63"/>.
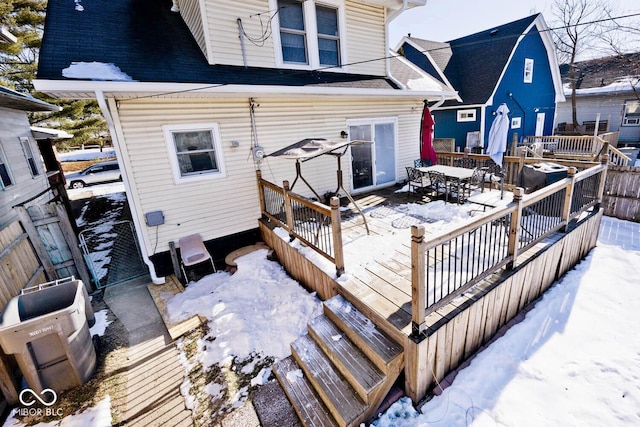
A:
<point x="125" y="179"/>
<point x="390" y="18"/>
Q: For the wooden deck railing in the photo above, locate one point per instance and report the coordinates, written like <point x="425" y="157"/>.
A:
<point x="445" y="266"/>
<point x="316" y="225"/>
<point x="578" y="147"/>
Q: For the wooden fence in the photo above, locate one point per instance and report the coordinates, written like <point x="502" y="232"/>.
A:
<point x="621" y="197"/>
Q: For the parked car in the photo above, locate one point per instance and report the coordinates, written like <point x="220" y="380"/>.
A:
<point x="95" y="174"/>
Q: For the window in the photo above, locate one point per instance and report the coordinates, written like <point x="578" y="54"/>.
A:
<point x="528" y="70"/>
<point x="631" y="113"/>
<point x="328" y="38"/>
<point x="292" y="31"/>
<point x="466" y="115"/>
<point x="195" y="151"/>
<point x="28" y="154"/>
<point x="516" y="122"/>
<point x="309" y="33"/>
<point x="5" y="175"/>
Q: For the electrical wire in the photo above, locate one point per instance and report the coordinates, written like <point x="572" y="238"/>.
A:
<point x="292" y="73"/>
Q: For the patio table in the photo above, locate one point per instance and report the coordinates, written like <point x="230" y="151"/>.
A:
<point x="454" y="175"/>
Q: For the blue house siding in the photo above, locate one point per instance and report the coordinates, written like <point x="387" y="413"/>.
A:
<point x="447" y="126"/>
<point x="527" y="99"/>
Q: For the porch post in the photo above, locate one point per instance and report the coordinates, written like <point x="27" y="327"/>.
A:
<point x="263" y="206"/>
<point x="336" y="230"/>
<point x="604" y="161"/>
<point x="418" y="282"/>
<point x="568" y="197"/>
<point x="287" y="208"/>
<point x="514" y="229"/>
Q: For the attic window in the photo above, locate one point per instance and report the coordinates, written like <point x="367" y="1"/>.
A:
<point x="309" y="33"/>
<point x="28" y="155"/>
<point x="528" y="70"/>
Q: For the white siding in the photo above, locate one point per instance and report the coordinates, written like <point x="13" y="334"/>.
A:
<point x="13" y="125"/>
<point x="230" y="205"/>
<point x="192" y="16"/>
<point x="609" y="107"/>
<point x="365" y="38"/>
<point x="225" y="37"/>
<point x="365" y="35"/>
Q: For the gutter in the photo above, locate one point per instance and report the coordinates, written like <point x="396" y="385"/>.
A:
<point x="387" y="61"/>
<point x="102" y="102"/>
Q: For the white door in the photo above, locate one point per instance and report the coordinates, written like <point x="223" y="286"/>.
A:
<point x="373" y="163"/>
<point x="540" y="124"/>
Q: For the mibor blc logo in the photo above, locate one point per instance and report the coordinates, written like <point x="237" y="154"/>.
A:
<point x="46" y="398"/>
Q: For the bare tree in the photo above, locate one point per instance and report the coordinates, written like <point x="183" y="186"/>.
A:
<point x="577" y="28"/>
<point x="622" y="37"/>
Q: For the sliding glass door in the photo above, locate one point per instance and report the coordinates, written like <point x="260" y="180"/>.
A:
<point x="373" y="162"/>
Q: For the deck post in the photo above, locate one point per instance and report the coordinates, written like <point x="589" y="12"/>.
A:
<point x="336" y="230"/>
<point x="418" y="282"/>
<point x="514" y="229"/>
<point x="604" y="161"/>
<point x="263" y="205"/>
<point x="568" y="197"/>
<point x="287" y="208"/>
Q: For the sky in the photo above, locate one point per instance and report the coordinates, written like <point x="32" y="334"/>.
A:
<point x="444" y="20"/>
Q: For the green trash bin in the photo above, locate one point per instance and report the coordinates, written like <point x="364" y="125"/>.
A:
<point x="46" y="328"/>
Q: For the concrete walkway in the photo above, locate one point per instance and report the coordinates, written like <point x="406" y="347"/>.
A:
<point x="154" y="374"/>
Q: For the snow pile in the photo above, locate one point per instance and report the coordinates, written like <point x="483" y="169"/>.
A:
<point x="258" y="309"/>
<point x="97" y="416"/>
<point x="95" y="71"/>
<point x="101" y="324"/>
<point x="574" y="360"/>
<point x="88" y="154"/>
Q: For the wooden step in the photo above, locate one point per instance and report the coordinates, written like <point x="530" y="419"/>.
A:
<point x="363" y="376"/>
<point x="385" y="353"/>
<point x="306" y="402"/>
<point x="342" y="400"/>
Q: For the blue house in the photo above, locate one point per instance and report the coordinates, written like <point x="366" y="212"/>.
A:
<point x="514" y="64"/>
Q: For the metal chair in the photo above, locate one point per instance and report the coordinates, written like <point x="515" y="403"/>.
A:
<point x="417" y="179"/>
<point x="465" y="162"/>
<point x="193" y="252"/>
<point x="438" y="184"/>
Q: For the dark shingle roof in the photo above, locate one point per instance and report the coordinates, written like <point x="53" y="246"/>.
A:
<point x="149" y="43"/>
<point x="473" y="64"/>
<point x="603" y="71"/>
<point x="23" y="102"/>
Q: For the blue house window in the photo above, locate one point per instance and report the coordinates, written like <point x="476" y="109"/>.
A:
<point x="528" y="70"/>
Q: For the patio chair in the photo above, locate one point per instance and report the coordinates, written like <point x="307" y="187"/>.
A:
<point x="438" y="184"/>
<point x="465" y="162"/>
<point x="469" y="185"/>
<point x="417" y="179"/>
<point x="421" y="163"/>
<point x="193" y="252"/>
<point x="493" y="173"/>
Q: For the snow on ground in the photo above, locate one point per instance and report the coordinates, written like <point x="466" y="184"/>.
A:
<point x="96" y="416"/>
<point x="101" y="324"/>
<point x="88" y="154"/>
<point x="257" y="309"/>
<point x="574" y="360"/>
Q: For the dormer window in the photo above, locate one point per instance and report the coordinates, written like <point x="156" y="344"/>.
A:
<point x="309" y="33"/>
<point x="528" y="70"/>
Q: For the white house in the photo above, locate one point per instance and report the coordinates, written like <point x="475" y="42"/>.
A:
<point x="22" y="173"/>
<point x="191" y="97"/>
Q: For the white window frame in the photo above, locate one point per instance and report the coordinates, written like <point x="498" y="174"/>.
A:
<point x="633" y="121"/>
<point x="528" y="70"/>
<point x="311" y="30"/>
<point x="516" y="122"/>
<point x="466" y="115"/>
<point x="27" y="150"/>
<point x="168" y="131"/>
<point x="3" y="160"/>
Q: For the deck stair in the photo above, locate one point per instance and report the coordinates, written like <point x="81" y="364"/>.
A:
<point x="339" y="373"/>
